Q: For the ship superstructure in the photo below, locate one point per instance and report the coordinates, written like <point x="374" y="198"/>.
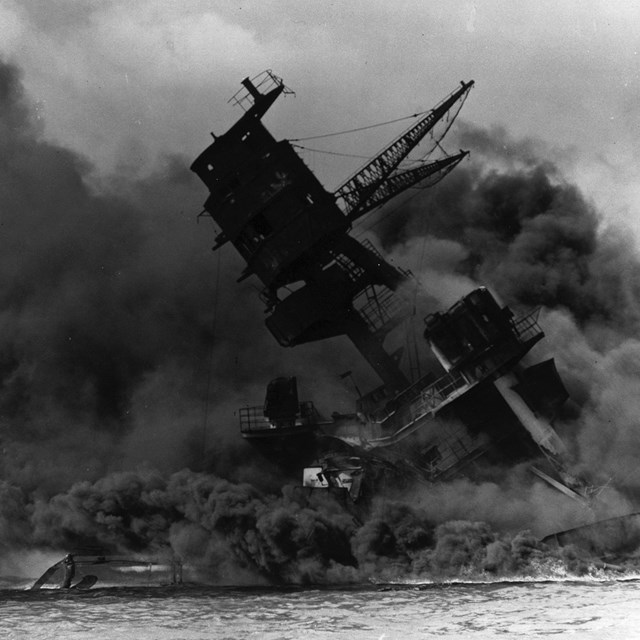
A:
<point x="318" y="281"/>
<point x="488" y="404"/>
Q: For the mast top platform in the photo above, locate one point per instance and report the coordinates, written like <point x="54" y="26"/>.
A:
<point x="256" y="88"/>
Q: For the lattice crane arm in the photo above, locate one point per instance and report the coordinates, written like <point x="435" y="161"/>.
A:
<point x="398" y="182"/>
<point x="366" y="181"/>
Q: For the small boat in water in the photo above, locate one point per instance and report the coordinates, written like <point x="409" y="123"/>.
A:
<point x="82" y="571"/>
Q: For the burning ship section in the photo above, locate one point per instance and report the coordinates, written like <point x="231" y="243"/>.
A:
<point x="488" y="406"/>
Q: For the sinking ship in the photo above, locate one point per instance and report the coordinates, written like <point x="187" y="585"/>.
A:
<point x="490" y="404"/>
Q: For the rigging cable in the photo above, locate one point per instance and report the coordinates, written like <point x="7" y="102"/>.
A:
<point x="437" y="144"/>
<point x="449" y="123"/>
<point x="214" y="322"/>
<point x="405" y="162"/>
<point x="375" y="223"/>
<point x="331" y="153"/>
<point x="414" y="340"/>
<point x="371" y="126"/>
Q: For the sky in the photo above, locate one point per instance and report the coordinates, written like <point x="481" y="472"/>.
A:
<point x="123" y="83"/>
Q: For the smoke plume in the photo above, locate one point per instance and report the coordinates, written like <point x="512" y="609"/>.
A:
<point x="508" y="220"/>
<point x="525" y="232"/>
<point x="233" y="533"/>
<point x="126" y="347"/>
<point x="115" y="347"/>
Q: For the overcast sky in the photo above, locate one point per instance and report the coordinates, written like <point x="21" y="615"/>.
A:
<point x="122" y="82"/>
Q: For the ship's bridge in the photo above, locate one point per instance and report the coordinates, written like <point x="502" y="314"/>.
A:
<point x="476" y="340"/>
<point x="476" y="337"/>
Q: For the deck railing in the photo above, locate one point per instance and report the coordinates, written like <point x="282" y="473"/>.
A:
<point x="252" y="419"/>
<point x="527" y="327"/>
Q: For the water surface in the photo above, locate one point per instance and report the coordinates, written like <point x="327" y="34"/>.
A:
<point x="579" y="609"/>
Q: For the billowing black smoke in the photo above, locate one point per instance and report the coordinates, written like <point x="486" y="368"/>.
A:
<point x="234" y="533"/>
<point x="108" y="314"/>
<point x="509" y="221"/>
<point x="531" y="237"/>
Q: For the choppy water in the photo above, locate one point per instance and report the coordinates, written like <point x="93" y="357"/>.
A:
<point x="590" y="609"/>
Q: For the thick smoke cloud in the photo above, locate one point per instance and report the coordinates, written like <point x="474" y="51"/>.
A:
<point x="110" y="302"/>
<point x="108" y="314"/>
<point x="90" y="304"/>
<point x="221" y="526"/>
<point x="232" y="533"/>
<point x="509" y="221"/>
<point x="518" y="227"/>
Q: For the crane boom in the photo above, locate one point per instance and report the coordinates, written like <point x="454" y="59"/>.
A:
<point x="398" y="182"/>
<point x="366" y="181"/>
